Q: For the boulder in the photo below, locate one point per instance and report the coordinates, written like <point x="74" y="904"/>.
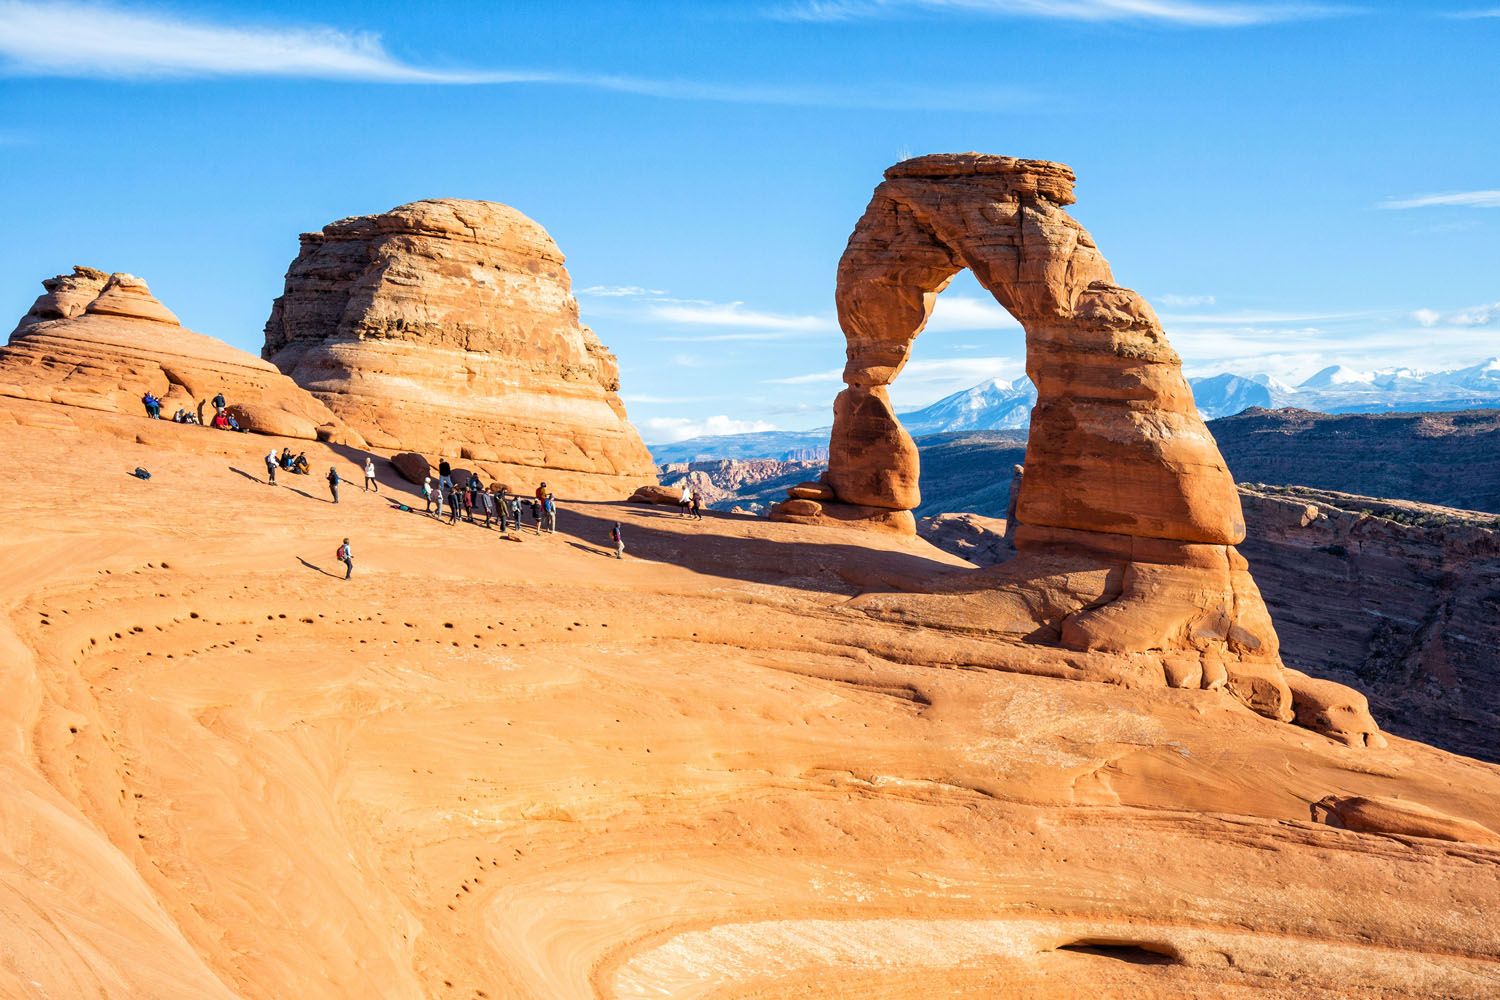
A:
<point x="104" y="354"/>
<point x="1340" y="713"/>
<point x="411" y="466"/>
<point x="448" y="327"/>
<point x="667" y="495"/>
<point x="811" y="491"/>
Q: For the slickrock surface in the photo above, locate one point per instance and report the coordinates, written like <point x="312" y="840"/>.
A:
<point x="1129" y="517"/>
<point x="699" y="772"/>
<point x="1399" y="599"/>
<point x="448" y="328"/>
<point x="101" y="341"/>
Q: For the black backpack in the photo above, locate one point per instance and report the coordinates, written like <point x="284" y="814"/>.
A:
<point x="141" y="473"/>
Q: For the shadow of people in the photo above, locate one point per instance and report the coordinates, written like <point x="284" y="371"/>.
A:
<point x="319" y="569"/>
<point x="242" y="472"/>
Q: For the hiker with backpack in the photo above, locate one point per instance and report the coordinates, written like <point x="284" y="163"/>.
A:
<point x="549" y="509"/>
<point x="370" y="483"/>
<point x="272" y="460"/>
<point x="429" y="497"/>
<point x="345" y="555"/>
<point x="333" y="482"/>
<point x="619" y="539"/>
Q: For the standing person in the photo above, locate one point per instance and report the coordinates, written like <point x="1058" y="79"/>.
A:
<point x="370" y="483"/>
<point x="271" y="463"/>
<point x="488" y="500"/>
<point x="219" y="402"/>
<point x="445" y="476"/>
<point x="333" y="482"/>
<point x="466" y="494"/>
<point x="346" y="556"/>
<point x="684" y="504"/>
<point x="453" y="503"/>
<point x="515" y="513"/>
<point x="502" y="507"/>
<point x="536" y="515"/>
<point x="697" y="507"/>
<point x="428" y="497"/>
<point x="549" y="507"/>
<point x="619" y="540"/>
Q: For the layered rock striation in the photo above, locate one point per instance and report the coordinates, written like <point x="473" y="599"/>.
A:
<point x="101" y="341"/>
<point x="448" y="328"/>
<point x="1129" y="518"/>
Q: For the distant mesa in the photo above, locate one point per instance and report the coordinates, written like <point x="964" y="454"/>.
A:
<point x="101" y="341"/>
<point x="1128" y="518"/>
<point x="447" y="328"/>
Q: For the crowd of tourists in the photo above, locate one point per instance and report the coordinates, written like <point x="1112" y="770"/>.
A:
<point x="223" y="418"/>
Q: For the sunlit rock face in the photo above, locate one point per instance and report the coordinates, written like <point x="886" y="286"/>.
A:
<point x="448" y="328"/>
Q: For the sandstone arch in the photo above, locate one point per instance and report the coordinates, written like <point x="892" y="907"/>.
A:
<point x="1129" y="516"/>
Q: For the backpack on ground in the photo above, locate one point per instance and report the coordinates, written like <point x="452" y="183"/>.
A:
<point x="141" y="473"/>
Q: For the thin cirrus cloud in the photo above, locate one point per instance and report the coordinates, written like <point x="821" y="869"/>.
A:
<point x="1184" y="13"/>
<point x="105" y="41"/>
<point x="1451" y="199"/>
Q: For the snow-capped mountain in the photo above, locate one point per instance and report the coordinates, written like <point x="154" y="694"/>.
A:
<point x="1000" y="405"/>
<point x="992" y="405"/>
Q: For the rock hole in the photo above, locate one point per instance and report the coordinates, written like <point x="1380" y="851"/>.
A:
<point x="1133" y="952"/>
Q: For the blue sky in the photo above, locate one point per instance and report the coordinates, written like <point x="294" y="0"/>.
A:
<point x="1290" y="184"/>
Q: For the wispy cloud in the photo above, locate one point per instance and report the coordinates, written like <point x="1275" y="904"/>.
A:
<point x="685" y="312"/>
<point x="1472" y="15"/>
<point x="1186" y="13"/>
<point x="107" y="41"/>
<point x="1477" y="316"/>
<point x="1454" y="199"/>
<point x="952" y="313"/>
<point x="1185" y="301"/>
<point x="1426" y="317"/>
<point x="619" y="291"/>
<point x="665" y="430"/>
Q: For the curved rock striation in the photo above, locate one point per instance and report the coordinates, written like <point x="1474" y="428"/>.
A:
<point x="448" y="328"/>
<point x="1128" y="519"/>
<point x="101" y="341"/>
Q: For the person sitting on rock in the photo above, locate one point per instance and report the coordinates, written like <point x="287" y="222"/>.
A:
<point x="300" y="465"/>
<point x="221" y="421"/>
<point x="287" y="460"/>
<point x="152" y="405"/>
<point x="234" y="424"/>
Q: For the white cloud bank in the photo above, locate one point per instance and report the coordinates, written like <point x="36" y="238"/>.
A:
<point x="1185" y="13"/>
<point x="106" y="41"/>
<point x="665" y="430"/>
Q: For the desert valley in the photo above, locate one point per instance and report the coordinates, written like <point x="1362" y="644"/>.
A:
<point x="1148" y="737"/>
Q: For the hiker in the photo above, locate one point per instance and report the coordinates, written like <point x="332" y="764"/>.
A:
<point x="619" y="540"/>
<point x="333" y="482"/>
<point x="152" y="405"/>
<point x="219" y="403"/>
<point x="346" y="556"/>
<point x="487" y="499"/>
<point x="370" y="483"/>
<point x="271" y="466"/>
<point x="502" y="508"/>
<point x="536" y="515"/>
<point x="549" y="508"/>
<point x="300" y="465"/>
<point x="427" y="495"/>
<point x="445" y="476"/>
<point x="541" y="493"/>
<point x="453" y="504"/>
<point x="515" y="513"/>
<point x="697" y="507"/>
<point x="685" y="502"/>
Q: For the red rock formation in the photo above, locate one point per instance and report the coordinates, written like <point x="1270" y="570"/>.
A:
<point x="101" y="341"/>
<point x="1129" y="517"/>
<point x="448" y="328"/>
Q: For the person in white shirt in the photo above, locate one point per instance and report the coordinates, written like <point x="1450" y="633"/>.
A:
<point x="370" y="483"/>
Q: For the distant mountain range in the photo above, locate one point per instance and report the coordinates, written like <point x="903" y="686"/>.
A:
<point x="1006" y="405"/>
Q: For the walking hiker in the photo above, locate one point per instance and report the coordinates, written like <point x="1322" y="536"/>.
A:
<point x="697" y="508"/>
<point x="619" y="540"/>
<point x="271" y="463"/>
<point x="346" y="556"/>
<point x="453" y="503"/>
<point x="370" y="483"/>
<point x="549" y="508"/>
<point x="333" y="482"/>
<point x="685" y="502"/>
